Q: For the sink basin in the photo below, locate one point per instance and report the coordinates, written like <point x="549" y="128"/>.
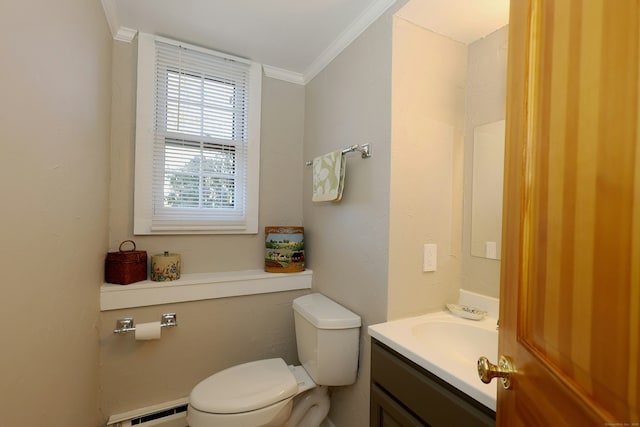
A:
<point x="447" y="346"/>
<point x="463" y="342"/>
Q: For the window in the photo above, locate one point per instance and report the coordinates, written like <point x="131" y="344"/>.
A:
<point x="197" y="140"/>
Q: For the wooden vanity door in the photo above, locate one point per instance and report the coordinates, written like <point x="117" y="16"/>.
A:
<point x="570" y="281"/>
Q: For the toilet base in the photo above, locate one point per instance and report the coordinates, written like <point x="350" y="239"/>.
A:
<point x="310" y="408"/>
<point x="272" y="416"/>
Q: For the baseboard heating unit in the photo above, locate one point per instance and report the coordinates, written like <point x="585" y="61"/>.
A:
<point x="168" y="414"/>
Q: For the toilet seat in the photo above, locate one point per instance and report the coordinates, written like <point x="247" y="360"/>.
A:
<point x="274" y="415"/>
<point x="246" y="387"/>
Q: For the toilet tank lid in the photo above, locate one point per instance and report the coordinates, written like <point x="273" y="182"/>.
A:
<point x="324" y="313"/>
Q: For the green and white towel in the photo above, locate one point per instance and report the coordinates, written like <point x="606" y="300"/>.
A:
<point x="328" y="177"/>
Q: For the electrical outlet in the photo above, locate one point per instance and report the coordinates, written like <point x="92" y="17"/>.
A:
<point x="430" y="257"/>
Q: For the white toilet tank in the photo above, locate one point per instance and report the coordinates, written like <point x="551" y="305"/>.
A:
<point x="328" y="339"/>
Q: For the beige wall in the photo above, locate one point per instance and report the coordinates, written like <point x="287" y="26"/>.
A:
<point x="349" y="102"/>
<point x="427" y="132"/>
<point x="403" y="89"/>
<point x="399" y="87"/>
<point x="280" y="175"/>
<point x="212" y="334"/>
<point x="54" y="121"/>
<point x="63" y="75"/>
<point x="486" y="97"/>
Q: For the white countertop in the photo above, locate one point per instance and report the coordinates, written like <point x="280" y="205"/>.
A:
<point x="447" y="346"/>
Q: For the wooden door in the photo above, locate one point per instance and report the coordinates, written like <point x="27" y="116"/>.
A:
<point x="570" y="284"/>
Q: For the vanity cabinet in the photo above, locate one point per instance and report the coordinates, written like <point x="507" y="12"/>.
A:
<point x="405" y="394"/>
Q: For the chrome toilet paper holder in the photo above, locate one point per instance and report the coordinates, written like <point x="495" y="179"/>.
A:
<point x="125" y="325"/>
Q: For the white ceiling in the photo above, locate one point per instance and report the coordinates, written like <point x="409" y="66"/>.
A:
<point x="294" y="39"/>
<point x="463" y="20"/>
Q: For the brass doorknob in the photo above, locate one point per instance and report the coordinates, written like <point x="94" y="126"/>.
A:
<point x="488" y="371"/>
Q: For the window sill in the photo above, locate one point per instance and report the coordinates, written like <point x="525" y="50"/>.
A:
<point x="200" y="286"/>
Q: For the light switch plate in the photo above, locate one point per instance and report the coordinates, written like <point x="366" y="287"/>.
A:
<point x="430" y="257"/>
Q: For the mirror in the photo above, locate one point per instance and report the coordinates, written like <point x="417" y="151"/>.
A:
<point x="487" y="183"/>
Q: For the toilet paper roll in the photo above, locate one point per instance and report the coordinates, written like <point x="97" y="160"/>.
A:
<point x="148" y="331"/>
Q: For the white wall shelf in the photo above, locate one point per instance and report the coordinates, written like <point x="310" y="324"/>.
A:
<point x="200" y="286"/>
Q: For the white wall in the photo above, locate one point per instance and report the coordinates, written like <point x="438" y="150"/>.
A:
<point x="54" y="119"/>
<point x="485" y="98"/>
<point x="429" y="73"/>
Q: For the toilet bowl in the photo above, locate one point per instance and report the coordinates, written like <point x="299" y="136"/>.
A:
<point x="270" y="393"/>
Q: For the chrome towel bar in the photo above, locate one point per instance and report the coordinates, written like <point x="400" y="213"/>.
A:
<point x="363" y="149"/>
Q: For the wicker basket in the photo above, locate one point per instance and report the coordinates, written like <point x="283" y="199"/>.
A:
<point x="126" y="266"/>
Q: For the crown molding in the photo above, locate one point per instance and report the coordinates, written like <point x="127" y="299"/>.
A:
<point x="125" y="34"/>
<point x="367" y="18"/>
<point x="282" y="74"/>
<point x="119" y="33"/>
<point x="111" y="15"/>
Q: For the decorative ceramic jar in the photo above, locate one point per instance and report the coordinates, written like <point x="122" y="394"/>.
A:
<point x="165" y="267"/>
<point x="284" y="249"/>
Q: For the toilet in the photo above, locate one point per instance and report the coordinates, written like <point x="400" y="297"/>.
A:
<point x="270" y="393"/>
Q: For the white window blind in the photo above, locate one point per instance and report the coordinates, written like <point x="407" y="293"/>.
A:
<point x="203" y="142"/>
